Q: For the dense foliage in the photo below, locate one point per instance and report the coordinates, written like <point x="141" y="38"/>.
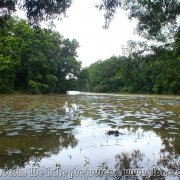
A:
<point x="36" y="10"/>
<point x="158" y="73"/>
<point x="39" y="60"/>
<point x="157" y="19"/>
<point x="35" y="60"/>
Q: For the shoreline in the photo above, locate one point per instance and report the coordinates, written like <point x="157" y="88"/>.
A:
<point x="97" y="94"/>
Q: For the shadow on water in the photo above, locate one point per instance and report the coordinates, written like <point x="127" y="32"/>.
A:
<point x="35" y="128"/>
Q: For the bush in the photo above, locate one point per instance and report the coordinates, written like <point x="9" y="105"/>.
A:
<point x="44" y="88"/>
<point x="101" y="88"/>
<point x="175" y="88"/>
<point x="127" y="89"/>
<point x="7" y="75"/>
<point x="33" y="87"/>
<point x="51" y="81"/>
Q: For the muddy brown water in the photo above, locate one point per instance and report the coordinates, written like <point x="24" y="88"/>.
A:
<point x="44" y="136"/>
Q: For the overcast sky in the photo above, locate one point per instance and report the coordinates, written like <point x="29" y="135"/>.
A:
<point x="85" y="22"/>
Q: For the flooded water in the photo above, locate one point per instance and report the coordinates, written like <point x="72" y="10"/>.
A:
<point x="62" y="137"/>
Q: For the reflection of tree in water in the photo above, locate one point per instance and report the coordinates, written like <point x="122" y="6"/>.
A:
<point x="169" y="156"/>
<point x="49" y="111"/>
<point x="132" y="166"/>
<point x="34" y="128"/>
<point x="155" y="115"/>
<point x="125" y="161"/>
<point x="129" y="161"/>
<point x="17" y="151"/>
<point x="168" y="159"/>
<point x="170" y="141"/>
<point x="71" y="108"/>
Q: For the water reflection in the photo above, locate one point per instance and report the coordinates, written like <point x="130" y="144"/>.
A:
<point x="74" y="130"/>
<point x="134" y="113"/>
<point x="71" y="108"/>
<point x="33" y="128"/>
<point x="133" y="165"/>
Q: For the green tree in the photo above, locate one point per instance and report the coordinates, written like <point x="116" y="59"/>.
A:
<point x="41" y="59"/>
<point x="156" y="73"/>
<point x="156" y="19"/>
<point x="36" y="10"/>
<point x="7" y="74"/>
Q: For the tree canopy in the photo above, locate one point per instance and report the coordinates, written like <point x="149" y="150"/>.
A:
<point x="33" y="60"/>
<point x="157" y="19"/>
<point x="40" y="60"/>
<point x="36" y="10"/>
<point x="149" y="74"/>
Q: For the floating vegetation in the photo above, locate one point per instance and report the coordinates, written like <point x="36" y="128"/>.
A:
<point x="12" y="133"/>
<point x="98" y="127"/>
<point x="13" y="151"/>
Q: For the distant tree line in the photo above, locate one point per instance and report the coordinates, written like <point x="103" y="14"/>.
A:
<point x="156" y="73"/>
